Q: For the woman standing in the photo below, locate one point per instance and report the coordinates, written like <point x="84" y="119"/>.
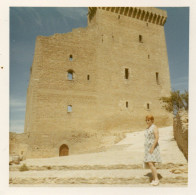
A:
<point x="152" y="151"/>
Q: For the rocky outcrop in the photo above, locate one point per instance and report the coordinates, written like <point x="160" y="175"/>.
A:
<point x="180" y="127"/>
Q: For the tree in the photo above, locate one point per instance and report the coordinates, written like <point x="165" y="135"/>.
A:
<point x="176" y="101"/>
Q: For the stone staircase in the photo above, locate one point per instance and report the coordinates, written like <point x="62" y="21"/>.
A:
<point x="119" y="165"/>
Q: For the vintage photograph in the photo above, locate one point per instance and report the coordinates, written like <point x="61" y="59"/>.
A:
<point x="99" y="96"/>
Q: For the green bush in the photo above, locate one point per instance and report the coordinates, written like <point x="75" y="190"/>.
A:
<point x="176" y="101"/>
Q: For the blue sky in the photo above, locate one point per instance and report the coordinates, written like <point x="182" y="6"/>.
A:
<point x="26" y="23"/>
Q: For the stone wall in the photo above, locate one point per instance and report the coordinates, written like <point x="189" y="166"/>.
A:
<point x="181" y="131"/>
<point x="18" y="144"/>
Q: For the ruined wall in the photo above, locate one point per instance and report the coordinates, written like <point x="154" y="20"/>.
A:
<point x="117" y="80"/>
<point x="18" y="144"/>
<point x="181" y="131"/>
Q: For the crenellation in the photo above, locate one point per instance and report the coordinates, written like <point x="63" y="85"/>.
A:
<point x="134" y="12"/>
<point x="152" y="15"/>
<point x="146" y="16"/>
<point x="139" y="14"/>
<point x="142" y="15"/>
<point x="126" y="11"/>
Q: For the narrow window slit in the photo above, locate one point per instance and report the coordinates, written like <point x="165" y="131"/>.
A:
<point x="140" y="39"/>
<point x="126" y="73"/>
<point x="127" y="104"/>
<point x="157" y="78"/>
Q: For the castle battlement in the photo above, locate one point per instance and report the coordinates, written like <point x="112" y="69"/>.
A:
<point x="147" y="14"/>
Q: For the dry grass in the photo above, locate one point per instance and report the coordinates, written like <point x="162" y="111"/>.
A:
<point x="24" y="168"/>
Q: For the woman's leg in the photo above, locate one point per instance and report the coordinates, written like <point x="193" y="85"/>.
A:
<point x="154" y="170"/>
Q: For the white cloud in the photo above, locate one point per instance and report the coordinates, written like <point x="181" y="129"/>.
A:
<point x="17" y="103"/>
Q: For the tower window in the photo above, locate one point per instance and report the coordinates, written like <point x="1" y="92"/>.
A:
<point x="140" y="39"/>
<point x="69" y="108"/>
<point x="127" y="104"/>
<point x="70" y="57"/>
<point x="70" y="75"/>
<point x="126" y="73"/>
<point x="148" y="106"/>
<point x="88" y="77"/>
<point x="157" y="78"/>
<point x="148" y="56"/>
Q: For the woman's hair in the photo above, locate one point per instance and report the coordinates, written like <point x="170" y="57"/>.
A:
<point x="150" y="117"/>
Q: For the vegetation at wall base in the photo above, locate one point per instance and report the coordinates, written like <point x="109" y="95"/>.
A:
<point x="24" y="168"/>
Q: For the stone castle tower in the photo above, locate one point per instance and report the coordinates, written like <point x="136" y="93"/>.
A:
<point x="105" y="77"/>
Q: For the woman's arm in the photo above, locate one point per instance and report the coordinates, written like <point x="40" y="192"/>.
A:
<point x="156" y="135"/>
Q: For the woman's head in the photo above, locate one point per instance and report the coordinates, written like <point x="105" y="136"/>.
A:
<point x="150" y="118"/>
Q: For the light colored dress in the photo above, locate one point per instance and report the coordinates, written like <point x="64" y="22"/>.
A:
<point x="149" y="140"/>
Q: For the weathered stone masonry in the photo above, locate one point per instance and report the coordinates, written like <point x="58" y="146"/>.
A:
<point x="105" y="77"/>
<point x="180" y="127"/>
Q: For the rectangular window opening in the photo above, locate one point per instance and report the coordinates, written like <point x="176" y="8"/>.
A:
<point x="127" y="104"/>
<point x="69" y="108"/>
<point x="140" y="39"/>
<point x="126" y="73"/>
<point x="88" y="77"/>
<point x="157" y="78"/>
<point x="148" y="106"/>
<point x="70" y="57"/>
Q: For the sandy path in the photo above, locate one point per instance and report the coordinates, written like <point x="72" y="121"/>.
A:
<point x="120" y="164"/>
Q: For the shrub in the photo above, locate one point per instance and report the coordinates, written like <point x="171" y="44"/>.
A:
<point x="49" y="167"/>
<point x="176" y="101"/>
<point x="24" y="168"/>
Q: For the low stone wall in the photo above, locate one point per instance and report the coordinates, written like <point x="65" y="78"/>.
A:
<point x="180" y="127"/>
<point x="18" y="145"/>
<point x="39" y="145"/>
